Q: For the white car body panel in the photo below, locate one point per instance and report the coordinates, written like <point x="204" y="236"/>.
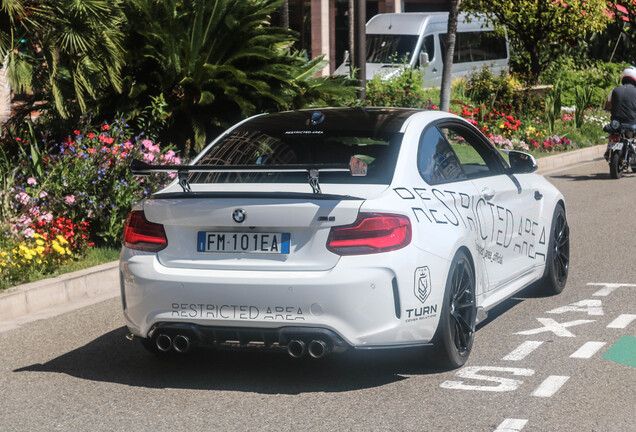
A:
<point x="387" y="299"/>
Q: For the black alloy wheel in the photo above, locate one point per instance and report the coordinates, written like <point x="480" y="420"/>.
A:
<point x="456" y="329"/>
<point x="558" y="259"/>
<point x="561" y="258"/>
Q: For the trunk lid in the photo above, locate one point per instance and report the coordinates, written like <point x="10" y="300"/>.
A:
<point x="203" y="233"/>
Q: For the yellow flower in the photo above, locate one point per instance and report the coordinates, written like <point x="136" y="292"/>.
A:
<point x="61" y="239"/>
<point x="39" y="242"/>
<point x="59" y="249"/>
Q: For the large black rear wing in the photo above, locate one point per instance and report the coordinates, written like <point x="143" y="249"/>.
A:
<point x="356" y="167"/>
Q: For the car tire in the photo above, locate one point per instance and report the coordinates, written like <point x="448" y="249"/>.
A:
<point x="616" y="171"/>
<point x="558" y="256"/>
<point x="455" y="333"/>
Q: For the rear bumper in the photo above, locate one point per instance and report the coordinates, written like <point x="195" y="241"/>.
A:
<point x="367" y="302"/>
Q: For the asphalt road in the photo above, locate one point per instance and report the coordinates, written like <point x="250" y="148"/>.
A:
<point x="563" y="363"/>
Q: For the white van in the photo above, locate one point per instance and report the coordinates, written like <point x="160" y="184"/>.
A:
<point x="418" y="39"/>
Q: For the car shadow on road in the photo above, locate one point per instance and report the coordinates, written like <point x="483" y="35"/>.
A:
<point x="587" y="177"/>
<point x="529" y="292"/>
<point x="112" y="358"/>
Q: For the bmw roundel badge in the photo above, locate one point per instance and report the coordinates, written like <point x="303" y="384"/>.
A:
<point x="239" y="216"/>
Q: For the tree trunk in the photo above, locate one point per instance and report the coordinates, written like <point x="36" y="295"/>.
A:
<point x="284" y="15"/>
<point x="451" y="35"/>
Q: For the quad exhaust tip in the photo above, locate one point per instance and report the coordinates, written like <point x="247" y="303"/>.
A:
<point x="163" y="342"/>
<point x="180" y="343"/>
<point x="317" y="348"/>
<point x="296" y="348"/>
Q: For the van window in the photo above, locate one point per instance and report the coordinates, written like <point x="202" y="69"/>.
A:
<point x="429" y="47"/>
<point x="390" y="48"/>
<point x="477" y="46"/>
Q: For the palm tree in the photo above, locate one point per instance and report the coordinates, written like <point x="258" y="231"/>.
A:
<point x="215" y="62"/>
<point x="61" y="53"/>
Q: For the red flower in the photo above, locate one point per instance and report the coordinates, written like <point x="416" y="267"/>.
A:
<point x="105" y="127"/>
<point x="76" y="132"/>
<point x="90" y="135"/>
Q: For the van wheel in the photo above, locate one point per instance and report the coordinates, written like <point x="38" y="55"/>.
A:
<point x="455" y="333"/>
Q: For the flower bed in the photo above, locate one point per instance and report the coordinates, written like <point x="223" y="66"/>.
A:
<point x="73" y="194"/>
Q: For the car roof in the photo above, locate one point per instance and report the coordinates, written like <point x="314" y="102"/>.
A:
<point x="386" y="120"/>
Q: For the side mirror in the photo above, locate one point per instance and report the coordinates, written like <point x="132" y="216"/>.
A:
<point x="424" y="61"/>
<point x="521" y="163"/>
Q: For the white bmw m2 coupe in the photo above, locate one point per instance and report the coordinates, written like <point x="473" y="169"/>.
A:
<point x="316" y="231"/>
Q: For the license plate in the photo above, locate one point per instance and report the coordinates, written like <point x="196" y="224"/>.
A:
<point x="230" y="242"/>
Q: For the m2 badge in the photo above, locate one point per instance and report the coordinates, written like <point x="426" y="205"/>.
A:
<point x="422" y="288"/>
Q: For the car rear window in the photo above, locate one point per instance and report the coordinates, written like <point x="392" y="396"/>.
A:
<point x="298" y="141"/>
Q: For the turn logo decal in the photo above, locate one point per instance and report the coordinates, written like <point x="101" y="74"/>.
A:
<point x="422" y="286"/>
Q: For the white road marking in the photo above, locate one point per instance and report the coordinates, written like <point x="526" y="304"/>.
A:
<point x="557" y="328"/>
<point x="471" y="372"/>
<point x="622" y="321"/>
<point x="592" y="307"/>
<point x="511" y="425"/>
<point x="523" y="350"/>
<point x="550" y="386"/>
<point x="608" y="288"/>
<point x="587" y="350"/>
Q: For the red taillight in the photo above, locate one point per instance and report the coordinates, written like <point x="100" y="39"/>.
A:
<point x="143" y="235"/>
<point x="371" y="233"/>
<point x="615" y="138"/>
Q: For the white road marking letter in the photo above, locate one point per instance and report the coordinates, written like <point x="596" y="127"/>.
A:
<point x="587" y="350"/>
<point x="592" y="307"/>
<point x="472" y="372"/>
<point x="608" y="288"/>
<point x="622" y="321"/>
<point x="558" y="329"/>
<point x="550" y="386"/>
<point x="511" y="425"/>
<point x="523" y="350"/>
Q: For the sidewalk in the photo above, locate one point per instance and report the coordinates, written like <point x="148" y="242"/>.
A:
<point x="41" y="299"/>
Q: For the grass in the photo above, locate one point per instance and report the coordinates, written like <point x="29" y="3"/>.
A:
<point x="93" y="257"/>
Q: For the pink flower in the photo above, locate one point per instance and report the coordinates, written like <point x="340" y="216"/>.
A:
<point x="23" y="198"/>
<point x="46" y="217"/>
<point x="43" y="194"/>
<point x="148" y="145"/>
<point x="148" y="157"/>
<point x="31" y="181"/>
<point x="29" y="232"/>
<point x="69" y="199"/>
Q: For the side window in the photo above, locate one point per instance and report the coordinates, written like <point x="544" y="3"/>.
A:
<point x="476" y="46"/>
<point x="437" y="161"/>
<point x="475" y="156"/>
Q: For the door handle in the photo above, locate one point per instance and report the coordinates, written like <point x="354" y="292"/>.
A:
<point x="537" y="195"/>
<point x="487" y="193"/>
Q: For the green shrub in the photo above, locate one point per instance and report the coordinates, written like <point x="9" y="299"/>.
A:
<point x="403" y="89"/>
<point x="599" y="77"/>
